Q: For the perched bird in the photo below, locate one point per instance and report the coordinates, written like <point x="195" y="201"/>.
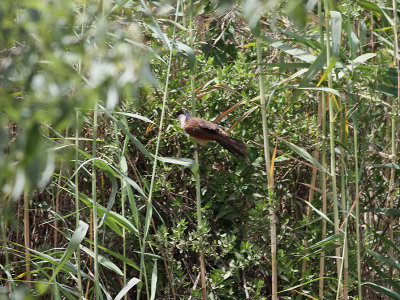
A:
<point x="203" y="131"/>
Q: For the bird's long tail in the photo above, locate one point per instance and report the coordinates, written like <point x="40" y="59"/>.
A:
<point x="232" y="145"/>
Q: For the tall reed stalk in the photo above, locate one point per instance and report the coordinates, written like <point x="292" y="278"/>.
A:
<point x="27" y="239"/>
<point x="394" y="142"/>
<point x="149" y="202"/>
<point x="343" y="193"/>
<point x="94" y="198"/>
<point x="269" y="171"/>
<point x="355" y="128"/>
<point x="78" y="253"/>
<point x="124" y="169"/>
<point x="323" y="162"/>
<point x="332" y="135"/>
<point x="312" y="187"/>
<point x="197" y="169"/>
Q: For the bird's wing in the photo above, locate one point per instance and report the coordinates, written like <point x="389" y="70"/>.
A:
<point x="202" y="129"/>
<point x="207" y="125"/>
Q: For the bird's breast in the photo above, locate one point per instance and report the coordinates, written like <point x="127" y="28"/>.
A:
<point x="182" y="119"/>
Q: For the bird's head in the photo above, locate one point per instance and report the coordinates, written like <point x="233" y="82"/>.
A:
<point x="181" y="112"/>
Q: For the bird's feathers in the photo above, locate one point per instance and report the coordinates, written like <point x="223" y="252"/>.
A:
<point x="204" y="131"/>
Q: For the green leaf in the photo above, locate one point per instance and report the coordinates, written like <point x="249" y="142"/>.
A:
<point x="126" y="288"/>
<point x="252" y="10"/>
<point x="103" y="261"/>
<point x="382" y="274"/>
<point x="328" y="69"/>
<point x="336" y="23"/>
<point x="187" y="162"/>
<point x="104" y="165"/>
<point x="390" y="165"/>
<point x="288" y="65"/>
<point x="314" y="68"/>
<point x="324" y="89"/>
<point x="362" y="58"/>
<point x="370" y="6"/>
<point x="134" y="116"/>
<point x="352" y="38"/>
<point x="319" y="212"/>
<point x="68" y="267"/>
<point x="154" y="281"/>
<point x="137" y="143"/>
<point x="113" y="216"/>
<point x="111" y="199"/>
<point x="382" y="211"/>
<point x="303" y="153"/>
<point x="295" y="52"/>
<point x="388" y="18"/>
<point x="356" y="62"/>
<point x="328" y="240"/>
<point x="388" y="242"/>
<point x="304" y="40"/>
<point x="383" y="290"/>
<point x="133" y="207"/>
<point x="388" y="90"/>
<point x="387" y="261"/>
<point x="189" y="53"/>
<point x="295" y="9"/>
<point x="73" y="244"/>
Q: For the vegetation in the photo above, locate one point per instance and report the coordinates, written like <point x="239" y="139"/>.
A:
<point x="103" y="196"/>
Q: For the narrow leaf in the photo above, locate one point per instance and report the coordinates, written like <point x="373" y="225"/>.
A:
<point x="111" y="199"/>
<point x="303" y="153"/>
<point x="390" y="165"/>
<point x="137" y="143"/>
<point x="336" y="23"/>
<point x="298" y="53"/>
<point x="189" y="53"/>
<point x="187" y="162"/>
<point x="154" y="281"/>
<point x="73" y="244"/>
<point x="136" y="116"/>
<point x="103" y="261"/>
<point x="385" y="260"/>
<point x="324" y="89"/>
<point x="126" y="288"/>
<point x="382" y="211"/>
<point x="383" y="290"/>
<point x="319" y="212"/>
<point x="370" y="6"/>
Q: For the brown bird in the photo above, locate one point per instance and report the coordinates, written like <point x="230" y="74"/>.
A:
<point x="203" y="131"/>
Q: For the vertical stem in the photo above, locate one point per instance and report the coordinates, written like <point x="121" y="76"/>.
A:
<point x="78" y="253"/>
<point x="345" y="263"/>
<point x="27" y="238"/>
<point x="149" y="205"/>
<point x="323" y="162"/>
<point x="94" y="198"/>
<point x="3" y="223"/>
<point x="344" y="266"/>
<point x="197" y="171"/>
<point x="123" y="167"/>
<point x="357" y="209"/>
<point x="332" y="136"/>
<point x="323" y="188"/>
<point x="394" y="144"/>
<point x="311" y="193"/>
<point x="270" y="179"/>
<point x="56" y="206"/>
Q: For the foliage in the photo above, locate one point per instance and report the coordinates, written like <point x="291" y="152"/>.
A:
<point x="59" y="58"/>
